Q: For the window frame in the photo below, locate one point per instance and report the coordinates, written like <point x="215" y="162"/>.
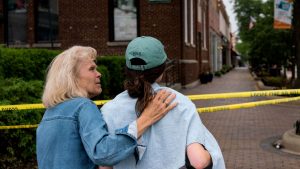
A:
<point x="189" y="22"/>
<point x="6" y="25"/>
<point x="36" y="15"/>
<point x="111" y="26"/>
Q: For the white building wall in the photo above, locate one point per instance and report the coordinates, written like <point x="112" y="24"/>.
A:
<point x="225" y="31"/>
<point x="215" y="52"/>
<point x="224" y="28"/>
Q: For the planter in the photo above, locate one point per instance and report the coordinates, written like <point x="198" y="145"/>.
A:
<point x="205" y="77"/>
<point x="210" y="77"/>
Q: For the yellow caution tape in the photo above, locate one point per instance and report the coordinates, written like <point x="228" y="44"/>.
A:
<point x="246" y="105"/>
<point x="19" y="127"/>
<point x="244" y="94"/>
<point x="21" y="107"/>
<point x="36" y="106"/>
<point x="200" y="110"/>
<point x="192" y="97"/>
<point x="101" y="102"/>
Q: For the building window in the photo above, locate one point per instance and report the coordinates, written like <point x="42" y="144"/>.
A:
<point x="186" y="41"/>
<point x="47" y="21"/>
<point x="202" y="19"/>
<point x="199" y="14"/>
<point x="189" y="22"/>
<point x="192" y="23"/>
<point x="16" y="21"/>
<point x="123" y="20"/>
<point x="204" y="26"/>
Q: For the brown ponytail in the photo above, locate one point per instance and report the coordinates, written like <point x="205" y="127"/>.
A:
<point x="138" y="84"/>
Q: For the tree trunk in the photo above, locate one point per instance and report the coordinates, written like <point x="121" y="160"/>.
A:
<point x="296" y="36"/>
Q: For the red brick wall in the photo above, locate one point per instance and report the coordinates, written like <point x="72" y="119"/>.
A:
<point x="205" y="65"/>
<point x="83" y="22"/>
<point x="189" y="65"/>
<point x="190" y="57"/>
<point x="30" y="22"/>
<point x="86" y="23"/>
<point x="163" y="21"/>
<point x="189" y="53"/>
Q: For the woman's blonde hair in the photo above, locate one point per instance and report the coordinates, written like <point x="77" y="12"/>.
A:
<point x="61" y="81"/>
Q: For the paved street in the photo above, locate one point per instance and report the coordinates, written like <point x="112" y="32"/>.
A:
<point x="246" y="135"/>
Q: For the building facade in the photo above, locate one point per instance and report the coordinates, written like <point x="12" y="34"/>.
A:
<point x="108" y="25"/>
<point x="214" y="36"/>
<point x="203" y="35"/>
<point x="225" y="35"/>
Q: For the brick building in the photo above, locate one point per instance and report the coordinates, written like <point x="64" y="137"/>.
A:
<point x="214" y="36"/>
<point x="225" y="35"/>
<point x="108" y="26"/>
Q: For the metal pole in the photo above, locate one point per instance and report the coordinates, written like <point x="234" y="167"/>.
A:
<point x="296" y="36"/>
<point x="50" y="24"/>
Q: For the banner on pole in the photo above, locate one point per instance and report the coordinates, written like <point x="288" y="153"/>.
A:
<point x="283" y="14"/>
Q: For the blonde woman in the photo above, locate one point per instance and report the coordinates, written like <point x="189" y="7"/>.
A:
<point x="72" y="133"/>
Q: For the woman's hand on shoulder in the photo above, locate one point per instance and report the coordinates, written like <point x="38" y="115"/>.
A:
<point x="159" y="106"/>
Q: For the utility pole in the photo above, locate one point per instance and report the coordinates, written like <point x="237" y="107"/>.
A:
<point x="296" y="39"/>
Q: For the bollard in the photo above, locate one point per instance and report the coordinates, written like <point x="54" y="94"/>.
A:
<point x="297" y="126"/>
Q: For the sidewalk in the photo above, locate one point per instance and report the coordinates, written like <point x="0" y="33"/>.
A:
<point x="246" y="135"/>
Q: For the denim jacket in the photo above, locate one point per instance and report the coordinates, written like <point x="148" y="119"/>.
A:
<point x="74" y="135"/>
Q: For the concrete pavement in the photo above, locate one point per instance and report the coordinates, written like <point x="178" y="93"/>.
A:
<point x="246" y="135"/>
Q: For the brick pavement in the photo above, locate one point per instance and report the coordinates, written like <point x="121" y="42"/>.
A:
<point x="246" y="135"/>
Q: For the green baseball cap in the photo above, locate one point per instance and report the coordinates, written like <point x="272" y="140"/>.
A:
<point x="150" y="51"/>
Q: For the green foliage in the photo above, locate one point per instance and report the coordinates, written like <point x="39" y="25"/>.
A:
<point x="273" y="81"/>
<point x="116" y="68"/>
<point x="262" y="73"/>
<point x="243" y="48"/>
<point x="244" y="9"/>
<point x="22" y="74"/>
<point x="17" y="91"/>
<point x="225" y="69"/>
<point x="105" y="82"/>
<point x="262" y="45"/>
<point x="218" y="73"/>
<point x="28" y="64"/>
<point x="18" y="145"/>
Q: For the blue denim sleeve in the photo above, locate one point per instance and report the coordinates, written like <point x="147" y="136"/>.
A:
<point x="102" y="147"/>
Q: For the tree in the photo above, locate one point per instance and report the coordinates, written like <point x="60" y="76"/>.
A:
<point x="245" y="9"/>
<point x="243" y="49"/>
<point x="266" y="46"/>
